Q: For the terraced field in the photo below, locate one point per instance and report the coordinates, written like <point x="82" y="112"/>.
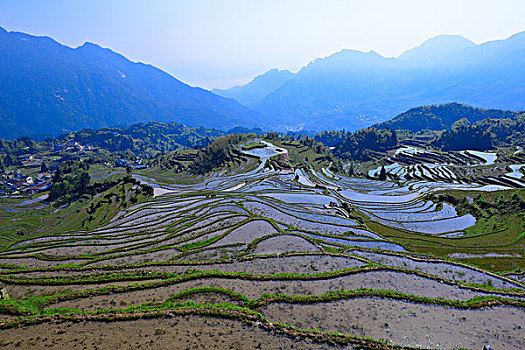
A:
<point x="265" y="258"/>
<point x="452" y="168"/>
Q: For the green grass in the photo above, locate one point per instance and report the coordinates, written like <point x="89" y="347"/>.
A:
<point x="300" y="155"/>
<point x="86" y="213"/>
<point x="473" y="303"/>
<point x="501" y="232"/>
<point x="253" y="145"/>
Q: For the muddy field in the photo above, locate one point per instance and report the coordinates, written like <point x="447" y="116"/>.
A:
<point x="180" y="332"/>
<point x="405" y="323"/>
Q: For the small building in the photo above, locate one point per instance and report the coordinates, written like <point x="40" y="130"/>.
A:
<point x="39" y="188"/>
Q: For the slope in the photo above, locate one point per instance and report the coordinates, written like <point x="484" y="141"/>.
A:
<point x="51" y="88"/>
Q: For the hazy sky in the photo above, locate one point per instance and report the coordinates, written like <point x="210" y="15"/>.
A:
<point x="225" y="42"/>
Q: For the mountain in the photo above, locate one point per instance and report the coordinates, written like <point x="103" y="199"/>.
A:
<point x="442" y="117"/>
<point x="439" y="47"/>
<point x="51" y="88"/>
<point x="352" y="89"/>
<point x="257" y="89"/>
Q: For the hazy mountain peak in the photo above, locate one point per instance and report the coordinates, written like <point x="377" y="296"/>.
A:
<point x="89" y="45"/>
<point x="352" y="54"/>
<point x="344" y="60"/>
<point x="516" y="41"/>
<point x="372" y="52"/>
<point x="258" y="88"/>
<point x="438" y="46"/>
<point x="517" y="36"/>
<point x="274" y="71"/>
<point x="352" y="89"/>
<point x="23" y="37"/>
<point x="448" y="39"/>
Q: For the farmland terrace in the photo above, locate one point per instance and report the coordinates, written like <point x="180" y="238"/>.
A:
<point x="270" y="258"/>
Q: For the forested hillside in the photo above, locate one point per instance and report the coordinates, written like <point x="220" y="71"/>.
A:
<point x="449" y="127"/>
<point x="443" y="117"/>
<point x="144" y="139"/>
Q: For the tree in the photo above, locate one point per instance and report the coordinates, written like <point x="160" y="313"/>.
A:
<point x="217" y="154"/>
<point x="351" y="169"/>
<point x="148" y="190"/>
<point x="361" y="144"/>
<point x="58" y="176"/>
<point x="58" y="190"/>
<point x="82" y="182"/>
<point x="464" y="138"/>
<point x="382" y="174"/>
<point x="43" y="168"/>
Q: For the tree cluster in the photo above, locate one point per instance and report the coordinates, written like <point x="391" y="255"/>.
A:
<point x="217" y="154"/>
<point x="463" y="138"/>
<point x="71" y="180"/>
<point x="361" y="144"/>
<point x="442" y="117"/>
<point x="144" y="140"/>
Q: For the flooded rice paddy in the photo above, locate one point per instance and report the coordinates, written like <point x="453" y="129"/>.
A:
<point x="195" y="264"/>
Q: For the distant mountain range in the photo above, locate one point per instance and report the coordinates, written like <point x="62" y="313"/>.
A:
<point x="352" y="89"/>
<point x="49" y="88"/>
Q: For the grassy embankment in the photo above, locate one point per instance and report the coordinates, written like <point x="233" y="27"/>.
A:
<point x="253" y="145"/>
<point x="85" y="213"/>
<point x="496" y="242"/>
<point x="300" y="155"/>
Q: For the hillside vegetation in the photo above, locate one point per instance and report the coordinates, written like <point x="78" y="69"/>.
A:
<point x="449" y="127"/>
<point x="443" y="117"/>
<point x="144" y="140"/>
